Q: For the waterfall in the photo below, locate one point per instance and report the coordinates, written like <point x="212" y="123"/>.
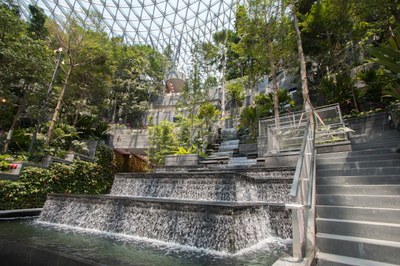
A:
<point x="224" y="212"/>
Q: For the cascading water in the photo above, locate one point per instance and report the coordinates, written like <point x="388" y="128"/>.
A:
<point x="225" y="212"/>
<point x="271" y="187"/>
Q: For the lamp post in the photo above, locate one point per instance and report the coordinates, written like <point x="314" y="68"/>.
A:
<point x="41" y="114"/>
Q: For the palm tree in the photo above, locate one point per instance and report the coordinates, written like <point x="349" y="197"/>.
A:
<point x="220" y="39"/>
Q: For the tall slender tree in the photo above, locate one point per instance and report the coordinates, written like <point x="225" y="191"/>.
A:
<point x="266" y="35"/>
<point x="85" y="68"/>
<point x="24" y="64"/>
<point x="303" y="70"/>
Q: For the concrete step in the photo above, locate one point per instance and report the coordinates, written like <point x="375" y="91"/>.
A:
<point x="242" y="161"/>
<point x="368" y="139"/>
<point x="325" y="259"/>
<point x="372" y="127"/>
<point x="230" y="143"/>
<point x="360" y="172"/>
<point x="220" y="154"/>
<point x="228" y="148"/>
<point x="359" y="189"/>
<point x="355" y="153"/>
<point x="377" y="145"/>
<point x="372" y="136"/>
<point x="387" y="215"/>
<point x="360" y="248"/>
<point x="359" y="180"/>
<point x="359" y="158"/>
<point x="365" y="229"/>
<point x="379" y="137"/>
<point x="365" y="119"/>
<point x="394" y="162"/>
<point x="379" y="201"/>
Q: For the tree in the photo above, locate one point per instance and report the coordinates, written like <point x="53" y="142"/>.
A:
<point x="36" y="28"/>
<point x="388" y="57"/>
<point x="236" y="94"/>
<point x="162" y="141"/>
<point x="249" y="118"/>
<point x="86" y="50"/>
<point x="215" y="54"/>
<point x="266" y="36"/>
<point x="194" y="92"/>
<point x="139" y="74"/>
<point x="336" y="33"/>
<point x="303" y="71"/>
<point x="208" y="114"/>
<point x="24" y="65"/>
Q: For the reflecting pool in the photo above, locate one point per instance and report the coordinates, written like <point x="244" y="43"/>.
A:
<point x="98" y="248"/>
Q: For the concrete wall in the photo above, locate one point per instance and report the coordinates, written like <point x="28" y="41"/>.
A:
<point x="131" y="139"/>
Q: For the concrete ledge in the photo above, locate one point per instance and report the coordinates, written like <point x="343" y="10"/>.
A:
<point x="287" y="260"/>
<point x="7" y="176"/>
<point x="280" y="160"/>
<point x="19" y="213"/>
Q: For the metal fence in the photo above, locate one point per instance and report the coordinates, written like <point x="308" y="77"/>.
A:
<point x="287" y="133"/>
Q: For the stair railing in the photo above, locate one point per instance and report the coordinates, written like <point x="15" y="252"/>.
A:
<point x="302" y="196"/>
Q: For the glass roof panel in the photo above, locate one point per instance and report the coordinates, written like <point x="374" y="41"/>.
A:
<point x="158" y="23"/>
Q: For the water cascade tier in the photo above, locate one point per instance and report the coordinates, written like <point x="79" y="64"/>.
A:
<point x="221" y="211"/>
<point x="272" y="186"/>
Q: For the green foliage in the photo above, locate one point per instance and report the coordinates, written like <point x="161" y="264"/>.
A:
<point x="208" y="113"/>
<point x="207" y="116"/>
<point x="36" y="24"/>
<point x="388" y="56"/>
<point x="193" y="95"/>
<point x="5" y="162"/>
<point x="375" y="84"/>
<point x="183" y="150"/>
<point x="162" y="141"/>
<point x="236" y="91"/>
<point x="21" y="139"/>
<point x="337" y="89"/>
<point x="265" y="102"/>
<point x="249" y="118"/>
<point x="104" y="156"/>
<point x="265" y="37"/>
<point x="139" y="74"/>
<point x="36" y="183"/>
<point x="91" y="127"/>
<point x="336" y="33"/>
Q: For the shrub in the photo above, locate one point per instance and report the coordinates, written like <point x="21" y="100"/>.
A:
<point x="36" y="183"/>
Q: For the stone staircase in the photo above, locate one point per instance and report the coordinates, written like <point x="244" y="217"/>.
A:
<point x="228" y="157"/>
<point x="358" y="199"/>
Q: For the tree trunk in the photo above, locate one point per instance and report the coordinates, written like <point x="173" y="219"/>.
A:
<point x="355" y="99"/>
<point x="276" y="99"/>
<point x="303" y="70"/>
<point x="21" y="107"/>
<point x="223" y="84"/>
<point x="76" y="116"/>
<point x="58" y="106"/>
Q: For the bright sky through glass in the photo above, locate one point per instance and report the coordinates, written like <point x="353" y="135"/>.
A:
<point x="178" y="23"/>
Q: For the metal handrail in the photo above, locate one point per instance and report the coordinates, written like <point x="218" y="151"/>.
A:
<point x="302" y="196"/>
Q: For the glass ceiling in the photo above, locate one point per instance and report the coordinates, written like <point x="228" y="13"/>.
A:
<point x="178" y="23"/>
